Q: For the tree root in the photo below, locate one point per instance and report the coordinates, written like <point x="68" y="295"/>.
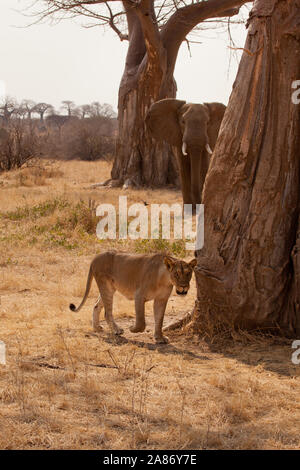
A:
<point x="179" y="323"/>
<point x="110" y="183"/>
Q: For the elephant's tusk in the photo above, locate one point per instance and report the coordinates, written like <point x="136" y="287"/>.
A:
<point x="208" y="149"/>
<point x="184" y="149"/>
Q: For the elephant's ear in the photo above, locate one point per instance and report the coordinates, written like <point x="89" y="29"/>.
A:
<point x="162" y="121"/>
<point x="216" y="112"/>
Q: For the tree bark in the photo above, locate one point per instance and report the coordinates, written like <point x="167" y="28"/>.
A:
<point x="249" y="269"/>
<point x="138" y="158"/>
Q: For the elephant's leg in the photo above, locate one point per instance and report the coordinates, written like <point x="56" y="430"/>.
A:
<point x="199" y="166"/>
<point x="185" y="176"/>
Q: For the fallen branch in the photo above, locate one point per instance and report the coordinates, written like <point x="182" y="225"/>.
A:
<point x="100" y="365"/>
<point x="98" y="185"/>
<point x="179" y="323"/>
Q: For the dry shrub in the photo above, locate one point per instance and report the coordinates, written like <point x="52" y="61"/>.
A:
<point x="36" y="175"/>
<point x="86" y="139"/>
<point x="18" y="145"/>
<point x="90" y="142"/>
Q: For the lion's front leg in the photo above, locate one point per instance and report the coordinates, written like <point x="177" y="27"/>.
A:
<point x="159" y="308"/>
<point x="140" y="323"/>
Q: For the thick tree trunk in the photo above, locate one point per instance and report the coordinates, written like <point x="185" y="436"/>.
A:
<point x="249" y="269"/>
<point x="140" y="159"/>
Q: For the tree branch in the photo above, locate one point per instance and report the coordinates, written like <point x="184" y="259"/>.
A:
<point x="123" y="37"/>
<point x="155" y="51"/>
<point x="185" y="19"/>
<point x="137" y="48"/>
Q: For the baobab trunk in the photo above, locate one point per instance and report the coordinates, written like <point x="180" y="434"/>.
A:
<point x="248" y="272"/>
<point x="140" y="159"/>
<point x="146" y="79"/>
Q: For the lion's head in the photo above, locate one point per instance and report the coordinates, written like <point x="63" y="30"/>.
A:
<point x="180" y="273"/>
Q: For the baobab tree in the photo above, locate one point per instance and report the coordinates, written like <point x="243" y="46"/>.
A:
<point x="155" y="32"/>
<point x="58" y="121"/>
<point x="102" y="110"/>
<point x="41" y="109"/>
<point x="84" y="110"/>
<point x="248" y="272"/>
<point x="69" y="106"/>
<point x="8" y="107"/>
<point x="20" y="112"/>
<point x="29" y="106"/>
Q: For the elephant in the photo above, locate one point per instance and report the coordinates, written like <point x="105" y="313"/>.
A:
<point x="192" y="129"/>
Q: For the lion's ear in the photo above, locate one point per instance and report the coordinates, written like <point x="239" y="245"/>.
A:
<point x="168" y="262"/>
<point x="193" y="263"/>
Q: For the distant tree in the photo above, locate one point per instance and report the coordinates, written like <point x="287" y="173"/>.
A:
<point x="8" y="106"/>
<point x="102" y="110"/>
<point x="20" y="112"/>
<point x="84" y="110"/>
<point x="107" y="111"/>
<point x="58" y="121"/>
<point x="69" y="106"/>
<point x="41" y="109"/>
<point x="96" y="109"/>
<point x="29" y="106"/>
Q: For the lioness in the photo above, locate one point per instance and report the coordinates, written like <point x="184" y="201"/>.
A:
<point x="138" y="277"/>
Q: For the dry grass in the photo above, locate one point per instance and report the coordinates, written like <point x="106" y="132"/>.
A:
<point x="65" y="387"/>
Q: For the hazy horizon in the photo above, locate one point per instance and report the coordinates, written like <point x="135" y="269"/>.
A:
<point x="65" y="61"/>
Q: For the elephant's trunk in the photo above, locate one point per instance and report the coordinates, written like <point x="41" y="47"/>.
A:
<point x="184" y="148"/>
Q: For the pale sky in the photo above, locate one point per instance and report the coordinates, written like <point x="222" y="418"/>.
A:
<point x="65" y="61"/>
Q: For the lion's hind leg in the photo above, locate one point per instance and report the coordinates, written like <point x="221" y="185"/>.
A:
<point x="107" y="291"/>
<point x="96" y="313"/>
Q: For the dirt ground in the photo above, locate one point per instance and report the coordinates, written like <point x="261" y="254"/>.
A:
<point x="65" y="387"/>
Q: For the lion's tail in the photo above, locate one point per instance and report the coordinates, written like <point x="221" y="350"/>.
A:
<point x="87" y="290"/>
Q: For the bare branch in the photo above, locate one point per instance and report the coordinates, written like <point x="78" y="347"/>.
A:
<point x="157" y="27"/>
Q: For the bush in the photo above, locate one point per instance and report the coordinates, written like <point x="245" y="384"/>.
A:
<point x="18" y="145"/>
<point x="91" y="146"/>
<point x="86" y="139"/>
<point x="90" y="140"/>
